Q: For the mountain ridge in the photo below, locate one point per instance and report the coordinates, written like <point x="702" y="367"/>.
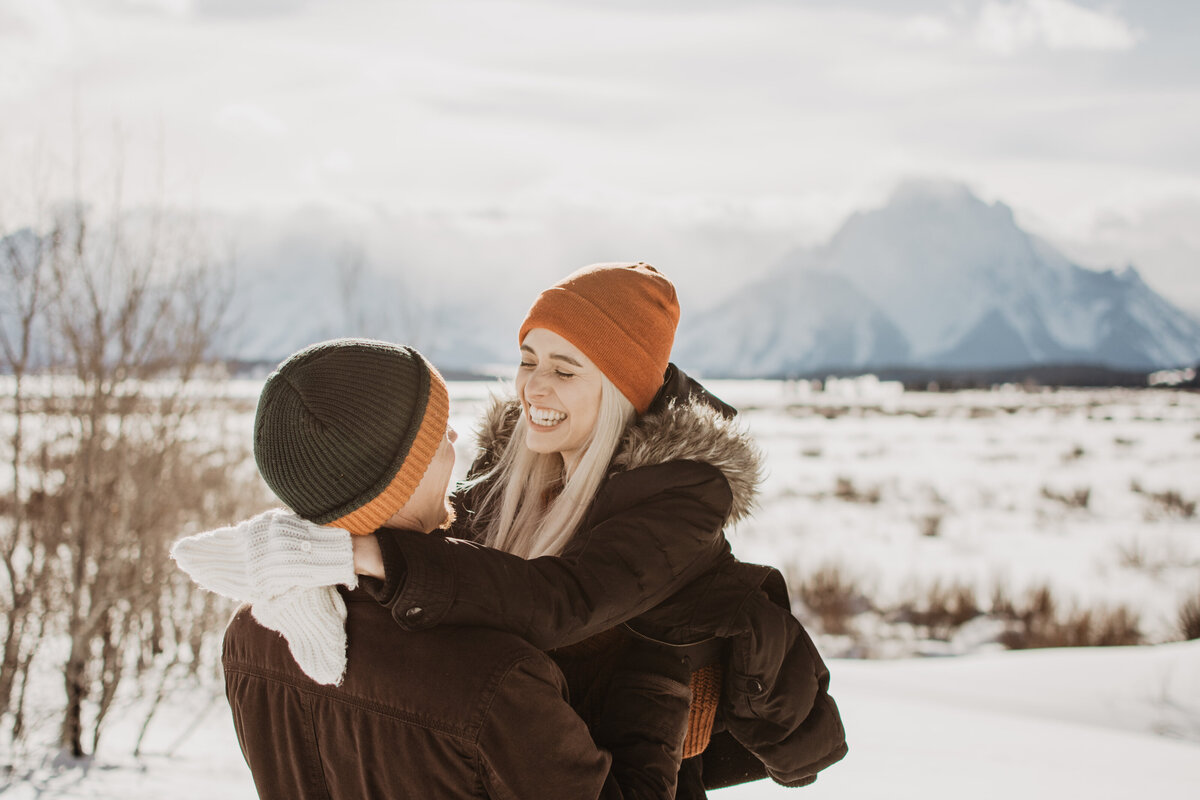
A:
<point x="959" y="284"/>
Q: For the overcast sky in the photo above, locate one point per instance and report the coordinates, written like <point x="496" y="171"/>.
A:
<point x="708" y="135"/>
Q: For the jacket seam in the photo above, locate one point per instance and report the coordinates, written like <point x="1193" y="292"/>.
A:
<point x="486" y="708"/>
<point x="317" y="768"/>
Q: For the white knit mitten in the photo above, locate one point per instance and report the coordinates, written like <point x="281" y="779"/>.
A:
<point x="266" y="556"/>
<point x="313" y="620"/>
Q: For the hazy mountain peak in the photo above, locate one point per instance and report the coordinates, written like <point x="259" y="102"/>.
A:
<point x="930" y="191"/>
<point x="957" y="282"/>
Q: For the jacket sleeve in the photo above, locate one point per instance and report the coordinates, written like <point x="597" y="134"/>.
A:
<point x="533" y="745"/>
<point x="612" y="571"/>
<point x="776" y="701"/>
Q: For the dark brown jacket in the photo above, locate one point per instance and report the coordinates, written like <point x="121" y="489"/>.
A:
<point x="650" y="553"/>
<point x="446" y="713"/>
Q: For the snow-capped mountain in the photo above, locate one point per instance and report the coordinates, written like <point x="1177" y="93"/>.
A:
<point x="937" y="278"/>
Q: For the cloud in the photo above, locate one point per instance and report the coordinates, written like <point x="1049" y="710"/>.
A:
<point x="134" y="8"/>
<point x="1010" y="27"/>
<point x="35" y="40"/>
<point x="1159" y="237"/>
<point x="251" y="120"/>
<point x="338" y="162"/>
<point x="205" y="8"/>
<point x="926" y="29"/>
<point x="248" y="8"/>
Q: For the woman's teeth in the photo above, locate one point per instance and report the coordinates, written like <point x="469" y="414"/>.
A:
<point x="544" y="416"/>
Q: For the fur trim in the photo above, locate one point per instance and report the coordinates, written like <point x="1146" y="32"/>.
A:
<point x="496" y="426"/>
<point x="692" y="431"/>
<point x="695" y="431"/>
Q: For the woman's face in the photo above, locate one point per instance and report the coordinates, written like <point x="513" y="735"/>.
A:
<point x="559" y="389"/>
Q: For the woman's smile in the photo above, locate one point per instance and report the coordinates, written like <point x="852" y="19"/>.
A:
<point x="546" y="418"/>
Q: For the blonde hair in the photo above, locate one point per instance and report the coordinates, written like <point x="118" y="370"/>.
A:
<point x="519" y="518"/>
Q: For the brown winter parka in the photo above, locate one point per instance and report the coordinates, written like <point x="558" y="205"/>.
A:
<point x="445" y="713"/>
<point x="651" y="553"/>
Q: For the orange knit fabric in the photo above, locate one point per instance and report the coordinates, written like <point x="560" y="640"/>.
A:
<point x="623" y="318"/>
<point x="706" y="696"/>
<point x="368" y="518"/>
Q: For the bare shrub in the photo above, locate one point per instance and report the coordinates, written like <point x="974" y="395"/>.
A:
<point x="844" y="489"/>
<point x="1076" y="498"/>
<point x="117" y="313"/>
<point x="1038" y="621"/>
<point x="1189" y="617"/>
<point x="833" y="596"/>
<point x="25" y="273"/>
<point x="942" y="609"/>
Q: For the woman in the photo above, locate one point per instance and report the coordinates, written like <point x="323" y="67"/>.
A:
<point x="596" y="509"/>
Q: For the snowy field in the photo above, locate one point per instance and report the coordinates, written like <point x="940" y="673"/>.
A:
<point x="1101" y="724"/>
<point x="1086" y="493"/>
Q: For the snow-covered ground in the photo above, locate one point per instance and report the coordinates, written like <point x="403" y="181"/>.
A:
<point x="1003" y="488"/>
<point x="1100" y="724"/>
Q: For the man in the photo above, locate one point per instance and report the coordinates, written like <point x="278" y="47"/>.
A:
<point x="354" y="434"/>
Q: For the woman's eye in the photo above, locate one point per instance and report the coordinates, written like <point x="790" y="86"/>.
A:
<point x="562" y="374"/>
<point x="526" y="365"/>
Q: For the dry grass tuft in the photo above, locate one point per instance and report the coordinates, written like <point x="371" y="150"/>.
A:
<point x="1189" y="617"/>
<point x="845" y="489"/>
<point x="833" y="596"/>
<point x="1074" y="454"/>
<point x="942" y="610"/>
<point x="1077" y="498"/>
<point x="930" y="525"/>
<point x="1175" y="504"/>
<point x="1037" y="621"/>
<point x="1170" y="502"/>
<point x="1133" y="555"/>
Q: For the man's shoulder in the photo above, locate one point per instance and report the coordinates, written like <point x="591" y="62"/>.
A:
<point x="444" y="677"/>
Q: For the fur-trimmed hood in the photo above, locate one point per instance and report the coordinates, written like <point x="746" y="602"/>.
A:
<point x="679" y="430"/>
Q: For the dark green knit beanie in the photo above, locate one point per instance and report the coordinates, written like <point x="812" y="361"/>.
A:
<point x="345" y="430"/>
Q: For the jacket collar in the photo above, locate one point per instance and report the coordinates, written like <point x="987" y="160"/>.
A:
<point x="685" y="423"/>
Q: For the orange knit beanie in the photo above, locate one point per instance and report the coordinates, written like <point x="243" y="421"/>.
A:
<point x="621" y="316"/>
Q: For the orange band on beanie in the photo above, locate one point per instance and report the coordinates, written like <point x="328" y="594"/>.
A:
<point x="368" y="518"/>
<point x="621" y="316"/>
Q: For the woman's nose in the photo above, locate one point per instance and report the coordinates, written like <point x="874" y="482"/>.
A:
<point x="536" y="385"/>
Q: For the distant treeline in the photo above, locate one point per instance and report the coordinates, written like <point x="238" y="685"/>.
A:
<point x="1084" y="376"/>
